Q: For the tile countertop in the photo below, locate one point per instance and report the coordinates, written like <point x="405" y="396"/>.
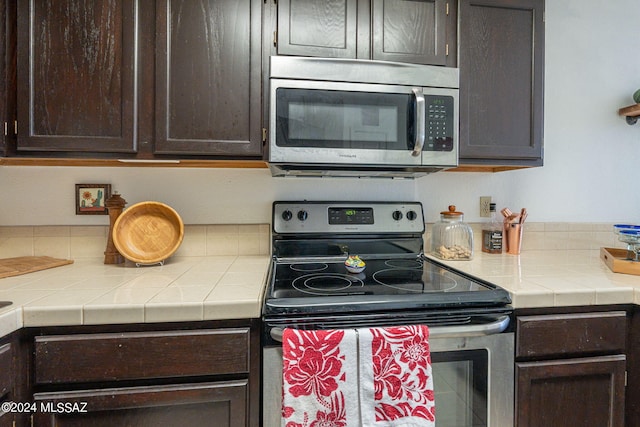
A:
<point x="230" y="287"/>
<point x="88" y="292"/>
<point x="553" y="278"/>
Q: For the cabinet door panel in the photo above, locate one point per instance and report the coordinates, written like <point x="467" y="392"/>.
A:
<point x="573" y="392"/>
<point x="6" y="370"/>
<point x="501" y="79"/>
<point x="106" y="357"/>
<point x="409" y="31"/>
<point x="317" y="28"/>
<point x="208" y="77"/>
<point x="562" y="335"/>
<point x="221" y="404"/>
<point x="3" y="72"/>
<point x="76" y="81"/>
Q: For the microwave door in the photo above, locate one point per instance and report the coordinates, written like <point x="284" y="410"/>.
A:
<point x="345" y="123"/>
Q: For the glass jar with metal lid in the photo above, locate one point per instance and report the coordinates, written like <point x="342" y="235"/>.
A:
<point x="451" y="237"/>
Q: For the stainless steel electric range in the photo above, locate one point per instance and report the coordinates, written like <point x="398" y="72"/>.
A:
<point x="310" y="287"/>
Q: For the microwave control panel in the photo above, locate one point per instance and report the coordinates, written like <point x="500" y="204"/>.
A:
<point x="440" y="122"/>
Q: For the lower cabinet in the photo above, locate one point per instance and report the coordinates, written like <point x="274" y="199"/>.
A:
<point x="180" y="405"/>
<point x="201" y="374"/>
<point x="7" y="380"/>
<point x="574" y="392"/>
<point x="571" y="369"/>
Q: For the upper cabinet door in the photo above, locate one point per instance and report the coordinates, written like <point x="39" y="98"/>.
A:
<point x="76" y="86"/>
<point x="325" y="28"/>
<point x="208" y="77"/>
<point x="3" y="74"/>
<point x="501" y="81"/>
<point x="410" y="31"/>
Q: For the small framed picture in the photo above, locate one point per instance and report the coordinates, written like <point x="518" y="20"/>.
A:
<point x="90" y="199"/>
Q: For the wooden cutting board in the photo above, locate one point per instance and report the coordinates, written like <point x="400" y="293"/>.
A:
<point x="28" y="264"/>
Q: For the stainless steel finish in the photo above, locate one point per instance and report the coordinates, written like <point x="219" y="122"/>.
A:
<point x="317" y="218"/>
<point x="496" y="327"/>
<point x="500" y="349"/>
<point x="337" y="156"/>
<point x="360" y="76"/>
<point x="420" y="121"/>
<point x="470" y="340"/>
<point x="363" y="71"/>
<point x="322" y="170"/>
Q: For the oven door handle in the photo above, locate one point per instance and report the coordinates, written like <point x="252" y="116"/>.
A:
<point x="496" y="327"/>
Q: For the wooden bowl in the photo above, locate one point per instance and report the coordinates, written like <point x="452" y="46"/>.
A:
<point x="148" y="232"/>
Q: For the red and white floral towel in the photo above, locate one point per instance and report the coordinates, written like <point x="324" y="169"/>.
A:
<point x="378" y="377"/>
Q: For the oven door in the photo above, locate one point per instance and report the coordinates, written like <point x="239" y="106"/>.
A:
<point x="473" y="373"/>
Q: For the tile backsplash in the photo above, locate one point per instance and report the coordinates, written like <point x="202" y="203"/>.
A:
<point x="254" y="239"/>
<point x="91" y="241"/>
<point x="555" y="236"/>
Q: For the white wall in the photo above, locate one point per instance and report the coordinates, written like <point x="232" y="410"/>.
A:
<point x="591" y="155"/>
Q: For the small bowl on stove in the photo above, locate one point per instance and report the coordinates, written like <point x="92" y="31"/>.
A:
<point x="354" y="264"/>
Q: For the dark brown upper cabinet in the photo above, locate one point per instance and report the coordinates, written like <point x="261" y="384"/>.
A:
<point x="421" y="32"/>
<point x="4" y="119"/>
<point x="133" y="79"/>
<point x="208" y="73"/>
<point x="501" y="47"/>
<point x="76" y="76"/>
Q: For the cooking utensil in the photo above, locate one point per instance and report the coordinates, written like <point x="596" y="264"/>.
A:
<point x="523" y="215"/>
<point x="148" y="232"/>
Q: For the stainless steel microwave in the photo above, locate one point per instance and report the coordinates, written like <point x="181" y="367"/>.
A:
<point x="344" y="117"/>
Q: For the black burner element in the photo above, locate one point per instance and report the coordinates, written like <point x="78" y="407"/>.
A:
<point x="328" y="284"/>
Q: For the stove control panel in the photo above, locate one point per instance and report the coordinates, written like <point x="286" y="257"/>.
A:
<point x="347" y="217"/>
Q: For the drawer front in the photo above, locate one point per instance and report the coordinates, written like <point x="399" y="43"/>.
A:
<point x="6" y="369"/>
<point x="140" y="355"/>
<point x="571" y="334"/>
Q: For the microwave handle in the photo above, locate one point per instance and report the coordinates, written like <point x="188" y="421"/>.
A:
<point x="420" y="121"/>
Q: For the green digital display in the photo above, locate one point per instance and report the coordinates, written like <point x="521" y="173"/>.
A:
<point x="348" y="216"/>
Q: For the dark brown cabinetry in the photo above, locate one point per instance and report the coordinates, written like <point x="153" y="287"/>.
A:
<point x="93" y="376"/>
<point x="3" y="73"/>
<point x="7" y="380"/>
<point x="501" y="60"/>
<point x="208" y="73"/>
<point x="187" y="404"/>
<point x="570" y="369"/>
<point x="76" y="68"/>
<point x="421" y="32"/>
<point x="633" y="371"/>
<point x="137" y="79"/>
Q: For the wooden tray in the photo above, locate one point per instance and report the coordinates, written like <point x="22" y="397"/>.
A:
<point x="616" y="260"/>
<point x="148" y="232"/>
<point x="28" y="264"/>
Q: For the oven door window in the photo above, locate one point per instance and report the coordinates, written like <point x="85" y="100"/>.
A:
<point x="460" y="385"/>
<point x="342" y="119"/>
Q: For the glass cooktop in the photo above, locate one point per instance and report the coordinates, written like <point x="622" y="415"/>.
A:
<point x="409" y="283"/>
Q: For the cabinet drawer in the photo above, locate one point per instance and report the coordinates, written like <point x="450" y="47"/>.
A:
<point x="6" y="370"/>
<point x="571" y="334"/>
<point x="140" y="355"/>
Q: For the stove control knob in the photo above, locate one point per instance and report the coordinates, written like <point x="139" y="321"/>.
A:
<point x="302" y="215"/>
<point x="287" y="215"/>
<point x="412" y="215"/>
<point x="397" y="215"/>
